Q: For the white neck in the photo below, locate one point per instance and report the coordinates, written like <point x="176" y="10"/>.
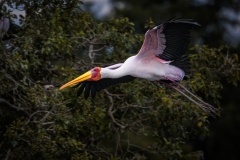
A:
<point x="110" y="73"/>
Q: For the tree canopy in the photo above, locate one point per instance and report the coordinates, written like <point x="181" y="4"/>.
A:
<point x="138" y="120"/>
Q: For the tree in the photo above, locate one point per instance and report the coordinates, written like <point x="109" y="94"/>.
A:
<point x="56" y="43"/>
<point x="218" y="18"/>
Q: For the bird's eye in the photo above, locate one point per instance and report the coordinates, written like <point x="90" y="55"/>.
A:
<point x="95" y="70"/>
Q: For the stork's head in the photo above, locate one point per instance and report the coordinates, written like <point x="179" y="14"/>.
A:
<point x="92" y="75"/>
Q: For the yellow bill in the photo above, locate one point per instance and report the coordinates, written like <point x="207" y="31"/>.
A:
<point x="81" y="78"/>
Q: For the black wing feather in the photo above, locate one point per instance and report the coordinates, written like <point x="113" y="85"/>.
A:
<point x="177" y="36"/>
<point x="87" y="90"/>
<point x="81" y="88"/>
<point x="96" y="86"/>
<point x="93" y="90"/>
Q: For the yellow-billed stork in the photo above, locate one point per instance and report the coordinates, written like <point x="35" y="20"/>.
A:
<point x="162" y="58"/>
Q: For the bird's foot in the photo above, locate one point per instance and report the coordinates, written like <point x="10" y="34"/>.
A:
<point x="203" y="105"/>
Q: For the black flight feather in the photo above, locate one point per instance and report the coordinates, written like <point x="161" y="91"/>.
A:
<point x="93" y="90"/>
<point x="177" y="36"/>
<point x="91" y="87"/>
<point x="81" y="88"/>
<point x="87" y="90"/>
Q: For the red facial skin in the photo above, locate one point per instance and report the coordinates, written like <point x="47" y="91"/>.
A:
<point x="95" y="74"/>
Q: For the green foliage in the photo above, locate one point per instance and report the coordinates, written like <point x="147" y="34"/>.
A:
<point x="129" y="121"/>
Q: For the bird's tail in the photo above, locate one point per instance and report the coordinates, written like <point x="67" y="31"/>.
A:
<point x="184" y="64"/>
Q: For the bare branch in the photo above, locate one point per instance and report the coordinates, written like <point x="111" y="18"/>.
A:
<point x="6" y="103"/>
<point x="128" y="150"/>
<point x="46" y="115"/>
<point x="117" y="141"/>
<point x="141" y="148"/>
<point x="30" y="117"/>
<point x="115" y="95"/>
<point x="47" y="123"/>
<point x="110" y="112"/>
<point x="135" y="106"/>
<point x="8" y="154"/>
<point x="90" y="53"/>
<point x="96" y="50"/>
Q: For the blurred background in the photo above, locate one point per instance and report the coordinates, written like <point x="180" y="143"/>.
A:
<point x="220" y="25"/>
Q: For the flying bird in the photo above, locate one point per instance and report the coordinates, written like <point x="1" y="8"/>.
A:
<point x="162" y="58"/>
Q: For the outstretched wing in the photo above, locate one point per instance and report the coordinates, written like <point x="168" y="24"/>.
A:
<point x="92" y="87"/>
<point x="168" y="41"/>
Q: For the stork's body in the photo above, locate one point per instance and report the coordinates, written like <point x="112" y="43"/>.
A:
<point x="149" y="67"/>
<point x="162" y="57"/>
